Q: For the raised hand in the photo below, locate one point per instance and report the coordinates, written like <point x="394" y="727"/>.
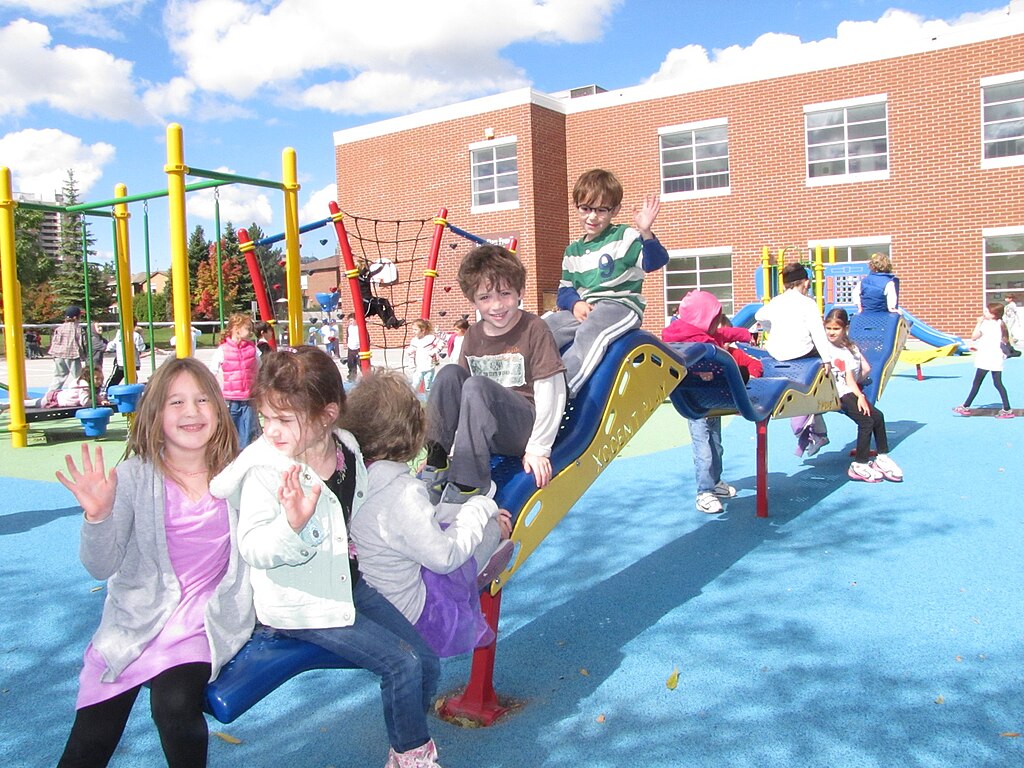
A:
<point x="298" y="507"/>
<point x="644" y="216"/>
<point x="93" y="487"/>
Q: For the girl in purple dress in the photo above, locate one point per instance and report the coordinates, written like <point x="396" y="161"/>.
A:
<point x="179" y="601"/>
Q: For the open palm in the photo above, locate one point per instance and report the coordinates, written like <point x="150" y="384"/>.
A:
<point x="93" y="486"/>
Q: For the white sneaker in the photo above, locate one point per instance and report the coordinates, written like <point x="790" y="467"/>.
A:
<point x="865" y="472"/>
<point x="708" y="503"/>
<point x="888" y="468"/>
<point x="723" y="490"/>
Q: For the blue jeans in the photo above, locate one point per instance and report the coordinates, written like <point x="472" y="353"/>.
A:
<point x="243" y="416"/>
<point x="706" y="435"/>
<point x="384" y="642"/>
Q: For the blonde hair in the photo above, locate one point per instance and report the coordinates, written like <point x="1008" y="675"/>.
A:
<point x="879" y="262"/>
<point x="146" y="438"/>
<point x="386" y="417"/>
<point x="424" y="325"/>
<point x="236" y="321"/>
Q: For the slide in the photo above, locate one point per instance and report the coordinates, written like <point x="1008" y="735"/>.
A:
<point x="921" y="330"/>
<point x="744" y="318"/>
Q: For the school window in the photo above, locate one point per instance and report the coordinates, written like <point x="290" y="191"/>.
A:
<point x="841" y="281"/>
<point x="695" y="159"/>
<point x="849" y="250"/>
<point x="1002" y="120"/>
<point x="495" y="174"/>
<point x="847" y="141"/>
<point x="705" y="269"/>
<point x="1004" y="263"/>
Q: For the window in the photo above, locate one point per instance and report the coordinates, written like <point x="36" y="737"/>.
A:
<point x="847" y="141"/>
<point x="1002" y="120"/>
<point x="840" y="281"/>
<point x="495" y="174"/>
<point x="705" y="269"/>
<point x="695" y="159"/>
<point x="853" y="250"/>
<point x="1004" y="262"/>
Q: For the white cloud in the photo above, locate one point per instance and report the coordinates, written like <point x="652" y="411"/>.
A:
<point x="315" y="208"/>
<point x="391" y="56"/>
<point x="68" y="7"/>
<point x="774" y="54"/>
<point x="86" y="82"/>
<point x="241" y="205"/>
<point x="39" y="160"/>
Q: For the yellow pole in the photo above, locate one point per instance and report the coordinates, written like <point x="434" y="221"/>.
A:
<point x="819" y="279"/>
<point x="289" y="176"/>
<point x="766" y="270"/>
<point x="12" y="313"/>
<point x="181" y="301"/>
<point x="780" y="263"/>
<point x="124" y="285"/>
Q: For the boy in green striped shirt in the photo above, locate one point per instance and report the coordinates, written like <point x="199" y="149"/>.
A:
<point x="599" y="295"/>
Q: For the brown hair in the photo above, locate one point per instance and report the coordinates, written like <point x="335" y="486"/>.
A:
<point x="237" y="320"/>
<point x="302" y="380"/>
<point x="880" y="262"/>
<point x="490" y="267"/>
<point x="597" y="187"/>
<point x="146" y="438"/>
<point x="997" y="309"/>
<point x="462" y="324"/>
<point x="386" y="417"/>
<point x="424" y="325"/>
<point x="792" y="274"/>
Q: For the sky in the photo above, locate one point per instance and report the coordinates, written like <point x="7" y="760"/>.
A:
<point x="91" y="85"/>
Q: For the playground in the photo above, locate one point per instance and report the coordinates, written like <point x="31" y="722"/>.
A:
<point x="867" y="625"/>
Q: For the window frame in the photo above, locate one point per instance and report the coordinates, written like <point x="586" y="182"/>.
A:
<point x="987" y="234"/>
<point x="491" y="144"/>
<point x="682" y="253"/>
<point x="983" y="83"/>
<point x="848" y="177"/>
<point x="692" y="128"/>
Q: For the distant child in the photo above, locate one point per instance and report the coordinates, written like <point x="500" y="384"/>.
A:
<point x="599" y="295"/>
<point x="99" y="349"/>
<point x="507" y="393"/>
<point x="426" y="569"/>
<point x="700" y="319"/>
<point x="138" y="345"/>
<point x="880" y="289"/>
<point x="987" y="338"/>
<point x="459" y="328"/>
<point x="424" y="347"/>
<point x="235" y="363"/>
<point x="352" y="347"/>
<point x="77" y="396"/>
<point x="266" y="341"/>
<point x="373" y="304"/>
<point x="299" y="487"/>
<point x="1011" y="320"/>
<point x="314" y="333"/>
<point x="68" y="348"/>
<point x="179" y="601"/>
<point x="794" y="332"/>
<point x="850" y="368"/>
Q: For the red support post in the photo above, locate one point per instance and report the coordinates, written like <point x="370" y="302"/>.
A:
<point x="479" y="702"/>
<point x="430" y="273"/>
<point x="352" y="273"/>
<point x="761" y="471"/>
<point x="248" y="248"/>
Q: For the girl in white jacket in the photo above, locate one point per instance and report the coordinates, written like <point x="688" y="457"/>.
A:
<point x="298" y="487"/>
<point x="426" y="566"/>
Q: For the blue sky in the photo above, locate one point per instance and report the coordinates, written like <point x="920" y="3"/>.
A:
<point x="92" y="84"/>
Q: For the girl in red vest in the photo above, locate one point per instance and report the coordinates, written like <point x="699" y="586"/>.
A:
<point x="235" y="363"/>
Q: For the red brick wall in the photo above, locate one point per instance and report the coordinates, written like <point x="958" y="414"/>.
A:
<point x="934" y="205"/>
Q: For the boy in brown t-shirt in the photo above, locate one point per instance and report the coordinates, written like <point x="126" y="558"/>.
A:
<point x="507" y="393"/>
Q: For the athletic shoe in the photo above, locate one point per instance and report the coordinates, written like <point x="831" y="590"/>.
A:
<point x="889" y="469"/>
<point x="802" y="441"/>
<point x="1005" y="414"/>
<point x="963" y="410"/>
<point x="435" y="478"/>
<point x="708" y="503"/>
<point x="421" y="757"/>
<point x="723" y="490"/>
<point x="864" y="472"/>
<point x="815" y="443"/>
<point x="499" y="562"/>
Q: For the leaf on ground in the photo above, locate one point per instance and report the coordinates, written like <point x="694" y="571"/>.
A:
<point x="600" y="719"/>
<point x="673" y="680"/>
<point x="940" y="699"/>
<point x="1010" y="735"/>
<point x="227" y="737"/>
<point x="584" y="672"/>
<point x="96" y="589"/>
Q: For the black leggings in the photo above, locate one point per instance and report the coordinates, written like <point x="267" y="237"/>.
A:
<point x="869" y="424"/>
<point x="176" y="703"/>
<point x="997" y="379"/>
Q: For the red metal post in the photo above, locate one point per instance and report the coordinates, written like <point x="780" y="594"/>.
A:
<point x="479" y="702"/>
<point x="761" y="471"/>
<point x="248" y="248"/>
<point x="352" y="273"/>
<point x="440" y="222"/>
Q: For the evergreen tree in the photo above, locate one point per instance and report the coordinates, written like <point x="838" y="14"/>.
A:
<point x="198" y="250"/>
<point x="68" y="283"/>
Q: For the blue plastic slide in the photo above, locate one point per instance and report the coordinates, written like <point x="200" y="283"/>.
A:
<point x="921" y="330"/>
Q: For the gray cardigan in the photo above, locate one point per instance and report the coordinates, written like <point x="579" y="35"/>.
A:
<point x="129" y="550"/>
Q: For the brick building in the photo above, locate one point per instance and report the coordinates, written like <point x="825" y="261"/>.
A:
<point x="919" y="154"/>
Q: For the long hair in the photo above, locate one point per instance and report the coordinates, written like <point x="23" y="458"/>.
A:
<point x="146" y="438"/>
<point x="302" y="380"/>
<point x="236" y="321"/>
<point x="386" y="417"/>
<point x="840" y="315"/>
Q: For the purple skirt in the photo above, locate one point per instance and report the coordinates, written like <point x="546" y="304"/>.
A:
<point x="451" y="622"/>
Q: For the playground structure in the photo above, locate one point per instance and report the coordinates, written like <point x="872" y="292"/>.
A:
<point x="638" y="373"/>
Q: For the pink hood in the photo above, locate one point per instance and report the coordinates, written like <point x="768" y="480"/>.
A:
<point x="699" y="309"/>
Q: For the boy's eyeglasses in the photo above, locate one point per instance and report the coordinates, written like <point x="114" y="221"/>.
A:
<point x="586" y="210"/>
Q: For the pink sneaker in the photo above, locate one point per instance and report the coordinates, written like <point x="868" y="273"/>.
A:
<point x="963" y="410"/>
<point x="1005" y="414"/>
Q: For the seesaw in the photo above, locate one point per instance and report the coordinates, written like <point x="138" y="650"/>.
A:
<point x="633" y="380"/>
<point x="919" y="357"/>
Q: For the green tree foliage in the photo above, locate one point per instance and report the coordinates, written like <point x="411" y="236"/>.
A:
<point x="269" y="260"/>
<point x="34" y="267"/>
<point x="198" y="250"/>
